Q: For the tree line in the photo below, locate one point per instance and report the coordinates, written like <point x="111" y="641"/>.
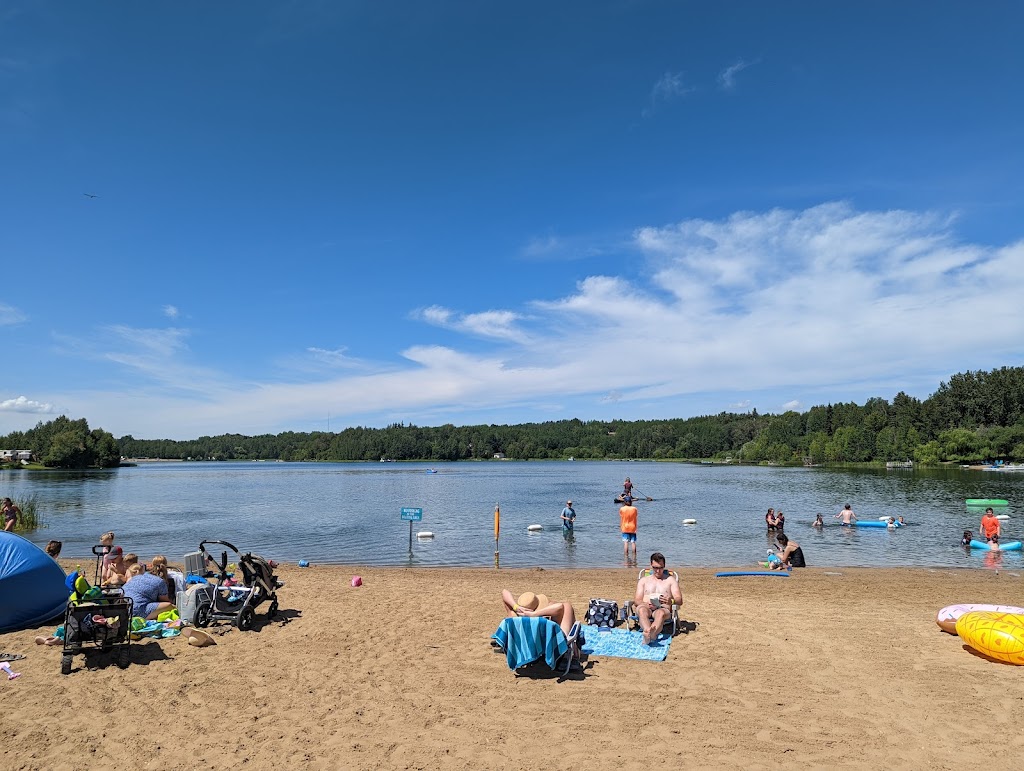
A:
<point x="975" y="417"/>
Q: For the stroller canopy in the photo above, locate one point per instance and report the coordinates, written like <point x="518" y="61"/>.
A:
<point x="31" y="584"/>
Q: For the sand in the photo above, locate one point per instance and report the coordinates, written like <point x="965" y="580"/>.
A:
<point x="828" y="668"/>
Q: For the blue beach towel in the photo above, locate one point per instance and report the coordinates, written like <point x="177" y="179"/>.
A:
<point x="528" y="639"/>
<point x="622" y="644"/>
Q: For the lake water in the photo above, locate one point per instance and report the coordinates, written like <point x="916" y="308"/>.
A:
<point x="350" y="513"/>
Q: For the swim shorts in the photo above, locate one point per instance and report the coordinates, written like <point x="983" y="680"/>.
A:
<point x="629" y="537"/>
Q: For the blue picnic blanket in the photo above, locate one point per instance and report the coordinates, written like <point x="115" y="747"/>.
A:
<point x="623" y="644"/>
<point x="527" y="639"/>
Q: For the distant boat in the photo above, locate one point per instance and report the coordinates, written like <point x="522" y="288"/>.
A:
<point x="571" y="458"/>
<point x="431" y="470"/>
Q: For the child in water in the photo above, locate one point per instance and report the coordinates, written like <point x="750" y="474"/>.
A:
<point x="818" y="521"/>
<point x="966" y="540"/>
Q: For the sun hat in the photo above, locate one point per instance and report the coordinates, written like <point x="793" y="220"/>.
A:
<point x="199" y="638"/>
<point x="528" y="600"/>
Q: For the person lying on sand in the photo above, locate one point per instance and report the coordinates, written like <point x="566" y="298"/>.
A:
<point x="537" y="605"/>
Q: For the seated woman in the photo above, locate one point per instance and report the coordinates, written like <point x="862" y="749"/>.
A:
<point x="148" y="592"/>
<point x="534" y="605"/>
<point x="790" y="554"/>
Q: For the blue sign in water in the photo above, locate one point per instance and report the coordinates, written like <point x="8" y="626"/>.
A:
<point x="410" y="514"/>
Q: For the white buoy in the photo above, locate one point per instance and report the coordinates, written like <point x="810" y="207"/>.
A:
<point x="883" y="519"/>
<point x="424" y="534"/>
<point x="534" y="528"/>
<point x="1002" y="516"/>
<point x="689" y="522"/>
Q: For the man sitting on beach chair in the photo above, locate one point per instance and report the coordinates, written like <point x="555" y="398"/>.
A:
<point x="656" y="593"/>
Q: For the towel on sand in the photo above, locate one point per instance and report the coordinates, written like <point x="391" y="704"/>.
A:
<point x="622" y="644"/>
<point x="528" y="639"/>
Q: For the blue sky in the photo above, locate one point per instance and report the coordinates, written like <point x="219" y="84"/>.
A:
<point x="483" y="212"/>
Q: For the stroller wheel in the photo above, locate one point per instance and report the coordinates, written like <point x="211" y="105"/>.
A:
<point x="202" y="617"/>
<point x="124" y="657"/>
<point x="246" y="619"/>
<point x="272" y="610"/>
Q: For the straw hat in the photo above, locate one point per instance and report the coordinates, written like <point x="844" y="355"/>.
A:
<point x="532" y="601"/>
<point x="199" y="638"/>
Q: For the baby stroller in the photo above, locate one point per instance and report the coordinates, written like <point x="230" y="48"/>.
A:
<point x="229" y="600"/>
<point x="97" y="618"/>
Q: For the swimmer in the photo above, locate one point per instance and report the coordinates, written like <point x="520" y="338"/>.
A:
<point x="847" y="516"/>
<point x="818" y="521"/>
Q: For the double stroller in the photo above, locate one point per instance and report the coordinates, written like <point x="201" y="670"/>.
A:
<point x="233" y="600"/>
<point x="97" y="618"/>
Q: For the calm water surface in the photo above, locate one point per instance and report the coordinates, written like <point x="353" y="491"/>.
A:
<point x="350" y="513"/>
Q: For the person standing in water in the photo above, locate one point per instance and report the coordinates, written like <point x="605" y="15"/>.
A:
<point x="568" y="517"/>
<point x="627" y="522"/>
<point x="847" y="516"/>
<point x="627" y="489"/>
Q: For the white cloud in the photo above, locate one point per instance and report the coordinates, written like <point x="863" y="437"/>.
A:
<point x="336" y="357"/>
<point x="499" y="325"/>
<point x="727" y="77"/>
<point x="170" y="311"/>
<point x="792" y="405"/>
<point x="21" y="404"/>
<point x="668" y="88"/>
<point x="9" y="315"/>
<point x="755" y="309"/>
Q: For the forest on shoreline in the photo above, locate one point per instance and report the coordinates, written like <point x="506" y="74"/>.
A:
<point x="974" y="418"/>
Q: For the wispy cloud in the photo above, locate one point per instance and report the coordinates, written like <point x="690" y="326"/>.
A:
<point x="170" y="311"/>
<point x="21" y="404"/>
<point x="10" y="315"/>
<point x="758" y="308"/>
<point x="727" y="77"/>
<point x="668" y="88"/>
<point x="793" y="404"/>
<point x="500" y="325"/>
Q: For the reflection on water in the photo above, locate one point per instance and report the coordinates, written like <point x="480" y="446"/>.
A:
<point x="350" y="513"/>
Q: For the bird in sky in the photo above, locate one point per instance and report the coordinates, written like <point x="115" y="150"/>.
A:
<point x="90" y="195"/>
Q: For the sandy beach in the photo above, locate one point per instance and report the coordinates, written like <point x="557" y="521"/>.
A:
<point x="837" y="667"/>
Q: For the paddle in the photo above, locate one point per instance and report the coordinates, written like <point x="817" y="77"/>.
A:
<point x="643" y="497"/>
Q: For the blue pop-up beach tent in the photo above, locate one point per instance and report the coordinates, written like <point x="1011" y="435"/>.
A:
<point x="31" y="584"/>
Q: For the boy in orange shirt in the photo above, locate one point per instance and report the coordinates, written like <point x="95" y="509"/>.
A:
<point x="990" y="527"/>
<point x="627" y="521"/>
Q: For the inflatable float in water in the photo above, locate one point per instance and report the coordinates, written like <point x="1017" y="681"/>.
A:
<point x="997" y="635"/>
<point x="731" y="573"/>
<point x="424" y="534"/>
<point x="1010" y="546"/>
<point x="534" y="528"/>
<point x="689" y="522"/>
<point x="987" y="502"/>
<point x="949" y="615"/>
<point x="871" y="523"/>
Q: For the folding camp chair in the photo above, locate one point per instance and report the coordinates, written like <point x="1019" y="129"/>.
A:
<point x="671" y="626"/>
<point x="528" y="641"/>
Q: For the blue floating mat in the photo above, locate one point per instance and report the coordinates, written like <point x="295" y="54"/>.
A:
<point x="623" y="644"/>
<point x="730" y="573"/>
<point x="983" y="546"/>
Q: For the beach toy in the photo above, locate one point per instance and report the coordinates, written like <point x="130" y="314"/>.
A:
<point x="997" y="635"/>
<point x="534" y="528"/>
<point x="1009" y="546"/>
<point x="871" y="523"/>
<point x="424" y="534"/>
<point x="689" y="522"/>
<point x="949" y="615"/>
<point x="303" y="563"/>
<point x="357" y="581"/>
